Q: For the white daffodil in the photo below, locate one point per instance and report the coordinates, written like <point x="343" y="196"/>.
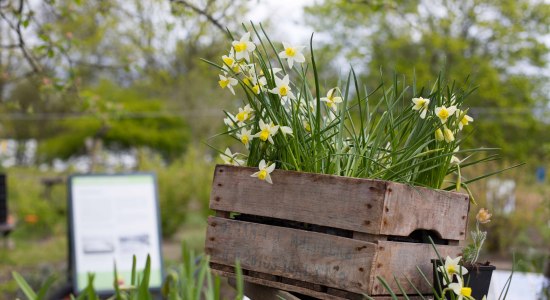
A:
<point x="231" y="158"/>
<point x="267" y="131"/>
<point x="245" y="136"/>
<point x="439" y="135"/>
<point x="331" y="99"/>
<point x="243" y="47"/>
<point x="263" y="173"/>
<point x="421" y="105"/>
<point x="460" y="290"/>
<point x="228" y="82"/>
<point x="455" y="160"/>
<point x="286" y="130"/>
<point x="230" y="63"/>
<point x="292" y="54"/>
<point x="246" y="113"/>
<point x="452" y="268"/>
<point x="283" y="88"/>
<point x="463" y="118"/>
<point x="257" y="84"/>
<point x="448" y="134"/>
<point x="230" y="121"/>
<point x="444" y="112"/>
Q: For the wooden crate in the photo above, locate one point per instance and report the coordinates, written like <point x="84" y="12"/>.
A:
<point x="329" y="237"/>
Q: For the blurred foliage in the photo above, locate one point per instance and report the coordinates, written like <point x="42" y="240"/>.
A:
<point x="184" y="186"/>
<point x="38" y="211"/>
<point x="124" y="120"/>
<point x="498" y="45"/>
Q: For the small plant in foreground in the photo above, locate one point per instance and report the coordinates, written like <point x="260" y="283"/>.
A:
<point x="193" y="280"/>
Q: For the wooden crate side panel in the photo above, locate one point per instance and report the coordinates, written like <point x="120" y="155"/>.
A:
<point x="296" y="254"/>
<point x="408" y="208"/>
<point x="333" y="201"/>
<point x="280" y="285"/>
<point x="401" y="260"/>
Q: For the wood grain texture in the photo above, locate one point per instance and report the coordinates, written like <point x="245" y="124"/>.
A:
<point x="279" y="285"/>
<point x="408" y="208"/>
<point x="359" y="205"/>
<point x="313" y="257"/>
<point x="333" y="201"/>
<point x="401" y="260"/>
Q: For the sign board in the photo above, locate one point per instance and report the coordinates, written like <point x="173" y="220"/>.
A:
<point x="112" y="218"/>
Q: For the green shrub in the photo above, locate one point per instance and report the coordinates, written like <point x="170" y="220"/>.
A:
<point x="184" y="186"/>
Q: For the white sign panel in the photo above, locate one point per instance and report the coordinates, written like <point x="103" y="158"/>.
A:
<point x="113" y="218"/>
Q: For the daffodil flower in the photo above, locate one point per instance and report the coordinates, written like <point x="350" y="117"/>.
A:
<point x="286" y="130"/>
<point x="292" y="54"/>
<point x="464" y="119"/>
<point x="460" y="290"/>
<point x="243" y="47"/>
<point x="245" y="136"/>
<point x="455" y="160"/>
<point x="331" y="99"/>
<point x="439" y="135"/>
<point x="245" y="113"/>
<point x="421" y="105"/>
<point x="444" y="112"/>
<point x="452" y="268"/>
<point x="448" y="134"/>
<point x="227" y="82"/>
<point x="283" y="89"/>
<point x="230" y="121"/>
<point x="230" y="63"/>
<point x="231" y="158"/>
<point x="267" y="131"/>
<point x="263" y="173"/>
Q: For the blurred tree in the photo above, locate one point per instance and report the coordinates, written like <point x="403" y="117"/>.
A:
<point x="57" y="56"/>
<point x="498" y="44"/>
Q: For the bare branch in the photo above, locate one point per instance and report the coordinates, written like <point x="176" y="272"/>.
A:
<point x="17" y="28"/>
<point x="201" y="12"/>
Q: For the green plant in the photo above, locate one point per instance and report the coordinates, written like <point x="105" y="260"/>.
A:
<point x="185" y="282"/>
<point x="389" y="132"/>
<point x="451" y="270"/>
<point x="471" y="253"/>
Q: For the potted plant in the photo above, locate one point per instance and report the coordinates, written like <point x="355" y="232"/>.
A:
<point x="334" y="186"/>
<point x="473" y="276"/>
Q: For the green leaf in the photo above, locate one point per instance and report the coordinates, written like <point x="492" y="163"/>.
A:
<point x="24" y="286"/>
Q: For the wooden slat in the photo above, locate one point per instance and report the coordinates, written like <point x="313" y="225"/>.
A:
<point x="401" y="260"/>
<point x="333" y="201"/>
<point x="296" y="254"/>
<point x="359" y="205"/>
<point x="281" y="286"/>
<point x="409" y="208"/>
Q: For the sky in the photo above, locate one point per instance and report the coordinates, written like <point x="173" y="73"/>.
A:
<point x="286" y="17"/>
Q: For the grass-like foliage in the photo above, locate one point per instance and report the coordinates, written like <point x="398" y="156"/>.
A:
<point x="393" y="132"/>
<point x="192" y="280"/>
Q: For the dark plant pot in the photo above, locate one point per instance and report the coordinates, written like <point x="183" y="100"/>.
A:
<point x="478" y="278"/>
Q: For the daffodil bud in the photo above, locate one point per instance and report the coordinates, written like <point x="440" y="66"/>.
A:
<point x="439" y="135"/>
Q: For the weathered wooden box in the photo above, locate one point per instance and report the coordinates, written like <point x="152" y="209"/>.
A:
<point x="330" y="237"/>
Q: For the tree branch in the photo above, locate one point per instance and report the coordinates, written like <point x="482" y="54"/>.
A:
<point x="201" y="12"/>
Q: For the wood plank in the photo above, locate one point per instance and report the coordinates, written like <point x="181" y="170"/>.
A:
<point x="261" y="292"/>
<point x="333" y="201"/>
<point x="280" y="285"/>
<point x="408" y="208"/>
<point x="296" y="254"/>
<point x="401" y="260"/>
<point x="356" y="204"/>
